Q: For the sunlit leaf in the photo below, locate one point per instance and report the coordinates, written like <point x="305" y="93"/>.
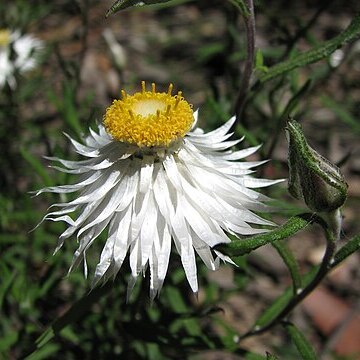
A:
<point x="348" y="249"/>
<point x="291" y="227"/>
<point x="290" y="262"/>
<point x="302" y="344"/>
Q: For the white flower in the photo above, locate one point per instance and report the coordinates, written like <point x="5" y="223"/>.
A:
<point x="152" y="183"/>
<point x="17" y="54"/>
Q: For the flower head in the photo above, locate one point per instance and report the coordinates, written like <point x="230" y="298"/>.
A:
<point x="17" y="54"/>
<point x="312" y="177"/>
<point x="153" y="183"/>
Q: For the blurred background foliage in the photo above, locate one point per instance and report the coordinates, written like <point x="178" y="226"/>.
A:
<point x="200" y="46"/>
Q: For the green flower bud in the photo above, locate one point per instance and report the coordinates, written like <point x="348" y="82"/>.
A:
<point x="312" y="177"/>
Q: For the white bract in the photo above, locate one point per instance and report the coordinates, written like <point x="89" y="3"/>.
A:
<point x="17" y="54"/>
<point x="153" y="182"/>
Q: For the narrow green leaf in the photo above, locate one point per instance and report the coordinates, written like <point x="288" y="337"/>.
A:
<point x="322" y="51"/>
<point x="348" y="249"/>
<point x="277" y="306"/>
<point x="123" y="4"/>
<point x="230" y="334"/>
<point x="244" y="246"/>
<point x="77" y="310"/>
<point x="302" y="344"/>
<point x="45" y="352"/>
<point x="7" y="279"/>
<point x="271" y="356"/>
<point x="253" y="356"/>
<point x="340" y="111"/>
<point x="294" y="101"/>
<point x="259" y="62"/>
<point x="66" y="106"/>
<point x="8" y="340"/>
<point x="290" y="262"/>
<point x="69" y="111"/>
<point x="274" y="309"/>
<point x="240" y="4"/>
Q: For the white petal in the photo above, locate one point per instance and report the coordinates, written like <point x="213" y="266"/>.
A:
<point x="204" y="252"/>
<point x="98" y="189"/>
<point x="240" y="154"/>
<point x="148" y="230"/>
<point x="122" y="242"/>
<point x="165" y="249"/>
<point x="146" y="177"/>
<point x="154" y="280"/>
<point x="172" y="172"/>
<point x="135" y="258"/>
<point x="221" y="131"/>
<point x="64" y="189"/>
<point x="165" y="200"/>
<point x="85" y="242"/>
<point x="107" y="254"/>
<point x="259" y="183"/>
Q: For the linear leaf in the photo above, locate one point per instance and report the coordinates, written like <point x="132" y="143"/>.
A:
<point x="348" y="249"/>
<point x="341" y="112"/>
<point x="290" y="262"/>
<point x="277" y="306"/>
<point x="320" y="52"/>
<point x="244" y="246"/>
<point x="123" y="4"/>
<point x="77" y="310"/>
<point x="280" y="302"/>
<point x="302" y="344"/>
<point x="37" y="166"/>
<point x="240" y="4"/>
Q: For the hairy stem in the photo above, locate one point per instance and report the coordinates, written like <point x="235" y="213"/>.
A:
<point x="249" y="19"/>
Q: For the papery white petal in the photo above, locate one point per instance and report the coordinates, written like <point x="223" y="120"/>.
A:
<point x="122" y="239"/>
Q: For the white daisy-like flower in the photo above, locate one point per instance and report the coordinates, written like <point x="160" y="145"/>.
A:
<point x="17" y="53"/>
<point x="154" y="182"/>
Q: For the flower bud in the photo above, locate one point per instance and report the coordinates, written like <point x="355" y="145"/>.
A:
<point x="312" y="177"/>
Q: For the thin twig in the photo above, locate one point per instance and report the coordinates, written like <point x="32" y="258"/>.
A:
<point x="84" y="10"/>
<point x="249" y="20"/>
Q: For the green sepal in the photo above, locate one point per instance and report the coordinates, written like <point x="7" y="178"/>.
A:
<point x="312" y="177"/>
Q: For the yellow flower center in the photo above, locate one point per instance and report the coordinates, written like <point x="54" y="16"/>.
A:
<point x="4" y="37"/>
<point x="149" y="118"/>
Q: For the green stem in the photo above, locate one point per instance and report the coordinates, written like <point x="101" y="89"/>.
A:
<point x="302" y="294"/>
<point x="249" y="19"/>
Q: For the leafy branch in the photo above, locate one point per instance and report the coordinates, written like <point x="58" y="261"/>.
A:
<point x="352" y="32"/>
<point x="295" y="294"/>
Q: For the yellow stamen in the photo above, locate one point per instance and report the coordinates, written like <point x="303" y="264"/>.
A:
<point x="149" y="118"/>
<point x="4" y="37"/>
<point x="170" y="89"/>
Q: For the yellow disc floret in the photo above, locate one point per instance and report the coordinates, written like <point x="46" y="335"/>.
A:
<point x="4" y="37"/>
<point x="149" y="118"/>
